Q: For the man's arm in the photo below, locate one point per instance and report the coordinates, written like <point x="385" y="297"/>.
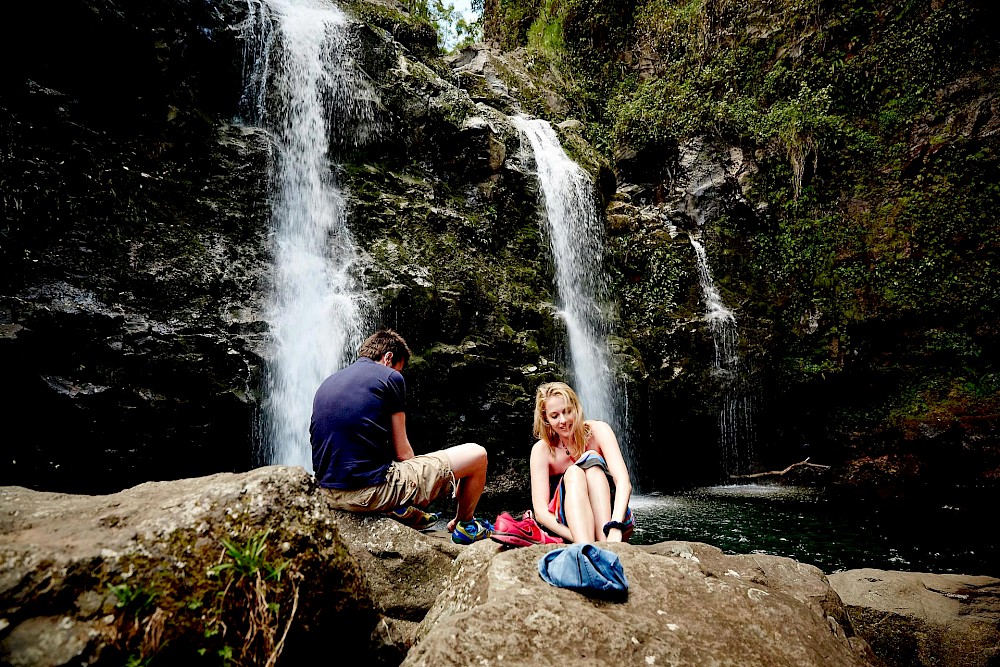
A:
<point x="399" y="440"/>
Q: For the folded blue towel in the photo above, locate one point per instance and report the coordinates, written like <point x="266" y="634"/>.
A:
<point x="585" y="568"/>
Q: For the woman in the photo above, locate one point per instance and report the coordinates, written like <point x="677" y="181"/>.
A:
<point x="585" y="454"/>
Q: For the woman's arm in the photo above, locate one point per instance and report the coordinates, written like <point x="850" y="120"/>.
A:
<point x="607" y="445"/>
<point x="540" y="491"/>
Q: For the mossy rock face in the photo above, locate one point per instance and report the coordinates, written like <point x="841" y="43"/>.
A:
<point x="864" y="228"/>
<point x="188" y="571"/>
<point x="416" y="35"/>
<point x="845" y="211"/>
<point x="456" y="260"/>
<point x="132" y="303"/>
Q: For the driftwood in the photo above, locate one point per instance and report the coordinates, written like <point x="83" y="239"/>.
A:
<point x="778" y="473"/>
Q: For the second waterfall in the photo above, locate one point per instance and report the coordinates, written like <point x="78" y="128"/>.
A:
<point x="304" y="87"/>
<point x="576" y="237"/>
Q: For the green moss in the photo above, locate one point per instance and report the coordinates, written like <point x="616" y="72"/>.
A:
<point x="414" y="31"/>
<point x="507" y="22"/>
<point x="188" y="597"/>
<point x="873" y="202"/>
<point x="545" y="34"/>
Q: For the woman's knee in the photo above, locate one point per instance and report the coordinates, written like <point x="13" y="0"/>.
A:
<point x="574" y="477"/>
<point x="596" y="475"/>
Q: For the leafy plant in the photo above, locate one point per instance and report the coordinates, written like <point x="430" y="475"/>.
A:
<point x="137" y="599"/>
<point x="140" y="624"/>
<point x="266" y="613"/>
<point x="247" y="560"/>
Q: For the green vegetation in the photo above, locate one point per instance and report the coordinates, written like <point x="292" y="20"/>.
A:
<point x="454" y="31"/>
<point x="875" y="185"/>
<point x="243" y="611"/>
<point x="247" y="560"/>
<point x="136" y="601"/>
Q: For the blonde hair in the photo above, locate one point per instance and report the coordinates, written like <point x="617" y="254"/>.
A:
<point x="542" y="429"/>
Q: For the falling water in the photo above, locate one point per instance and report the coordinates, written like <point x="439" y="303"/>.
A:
<point x="735" y="423"/>
<point x="576" y="236"/>
<point x="303" y="86"/>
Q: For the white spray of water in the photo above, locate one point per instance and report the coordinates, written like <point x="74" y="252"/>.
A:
<point x="735" y="422"/>
<point x="306" y="89"/>
<point x="576" y="237"/>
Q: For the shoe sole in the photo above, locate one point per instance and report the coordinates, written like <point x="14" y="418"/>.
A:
<point x="513" y="540"/>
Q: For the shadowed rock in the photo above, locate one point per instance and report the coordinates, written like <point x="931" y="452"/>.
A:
<point x="915" y="618"/>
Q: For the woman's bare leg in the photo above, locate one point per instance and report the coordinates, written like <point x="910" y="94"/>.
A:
<point x="579" y="514"/>
<point x="600" y="499"/>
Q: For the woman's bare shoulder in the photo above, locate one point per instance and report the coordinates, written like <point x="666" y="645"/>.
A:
<point x="540" y="446"/>
<point x="597" y="428"/>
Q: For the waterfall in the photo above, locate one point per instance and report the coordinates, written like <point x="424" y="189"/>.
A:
<point x="576" y="238"/>
<point x="735" y="422"/>
<point x="303" y="86"/>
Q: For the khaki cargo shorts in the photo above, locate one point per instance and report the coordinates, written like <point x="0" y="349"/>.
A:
<point x="417" y="481"/>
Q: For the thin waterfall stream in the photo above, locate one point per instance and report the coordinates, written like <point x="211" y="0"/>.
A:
<point x="304" y="87"/>
<point x="735" y="422"/>
<point x="576" y="238"/>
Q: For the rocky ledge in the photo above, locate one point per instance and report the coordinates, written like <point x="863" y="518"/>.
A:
<point x="257" y="568"/>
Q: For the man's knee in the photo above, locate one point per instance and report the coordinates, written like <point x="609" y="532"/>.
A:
<point x="479" y="456"/>
<point x="467" y="459"/>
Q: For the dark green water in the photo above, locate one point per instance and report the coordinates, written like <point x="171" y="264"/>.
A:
<point x="833" y="535"/>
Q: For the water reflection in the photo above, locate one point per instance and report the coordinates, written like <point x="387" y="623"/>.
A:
<point x="806" y="525"/>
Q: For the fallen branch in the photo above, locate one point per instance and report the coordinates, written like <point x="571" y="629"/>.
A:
<point x="778" y="473"/>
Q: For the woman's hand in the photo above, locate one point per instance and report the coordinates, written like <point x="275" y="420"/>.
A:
<point x="615" y="535"/>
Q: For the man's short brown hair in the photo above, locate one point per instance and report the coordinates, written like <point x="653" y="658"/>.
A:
<point x="382" y="341"/>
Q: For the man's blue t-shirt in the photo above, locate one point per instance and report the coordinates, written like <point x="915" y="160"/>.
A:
<point x="351" y="427"/>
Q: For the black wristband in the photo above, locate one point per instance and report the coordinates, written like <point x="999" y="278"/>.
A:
<point x="613" y="524"/>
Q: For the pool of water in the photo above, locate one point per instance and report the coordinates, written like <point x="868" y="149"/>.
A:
<point x="833" y="535"/>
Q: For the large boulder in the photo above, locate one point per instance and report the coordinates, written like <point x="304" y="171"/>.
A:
<point x="681" y="610"/>
<point x="256" y="565"/>
<point x="241" y="566"/>
<point x="404" y="568"/>
<point x="916" y="618"/>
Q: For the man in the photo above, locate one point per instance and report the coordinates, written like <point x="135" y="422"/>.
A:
<point x="361" y="453"/>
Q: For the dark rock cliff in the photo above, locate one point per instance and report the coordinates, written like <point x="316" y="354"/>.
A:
<point x="133" y="241"/>
<point x="853" y="234"/>
<point x="846" y="215"/>
<point x="137" y="245"/>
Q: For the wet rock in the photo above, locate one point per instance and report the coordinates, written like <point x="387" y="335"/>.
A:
<point x="916" y="618"/>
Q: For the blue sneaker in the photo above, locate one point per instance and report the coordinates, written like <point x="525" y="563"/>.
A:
<point x="414" y="517"/>
<point x="467" y="532"/>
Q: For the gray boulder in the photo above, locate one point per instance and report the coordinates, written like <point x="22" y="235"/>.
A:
<point x="257" y="566"/>
<point x="681" y="610"/>
<point x="246" y="566"/>
<point x="405" y="569"/>
<point x="915" y="618"/>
